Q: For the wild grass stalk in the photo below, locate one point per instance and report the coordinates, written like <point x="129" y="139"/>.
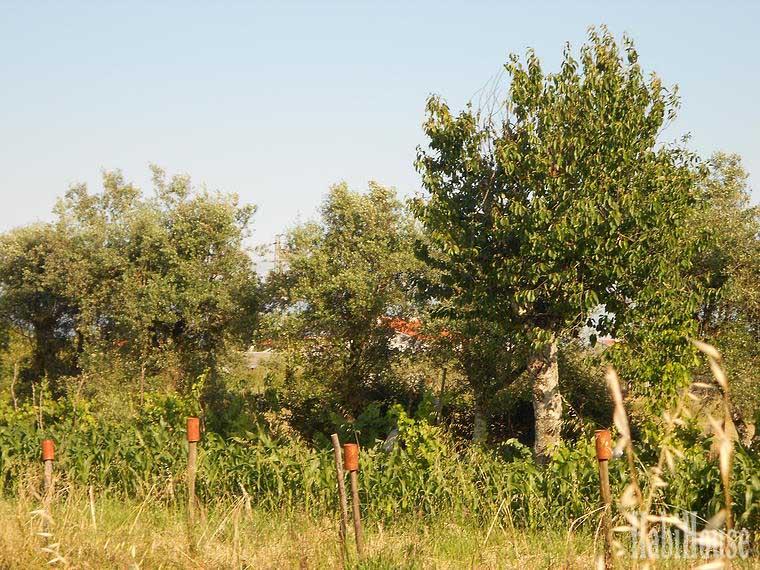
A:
<point x="636" y="505"/>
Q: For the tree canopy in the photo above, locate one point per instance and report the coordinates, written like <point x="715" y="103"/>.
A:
<point x="556" y="215"/>
<point x="346" y="276"/>
<point x="122" y="281"/>
<point x="561" y="200"/>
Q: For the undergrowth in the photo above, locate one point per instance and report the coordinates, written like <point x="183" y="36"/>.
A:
<point x="425" y="473"/>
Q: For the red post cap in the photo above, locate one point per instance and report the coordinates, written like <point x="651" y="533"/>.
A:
<point x="351" y="457"/>
<point x="48" y="450"/>
<point x="193" y="429"/>
<point x="603" y="441"/>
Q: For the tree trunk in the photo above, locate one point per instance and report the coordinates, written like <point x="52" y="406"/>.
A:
<point x="547" y="401"/>
<point x="748" y="434"/>
<point x="142" y="383"/>
<point x="13" y="386"/>
<point x="439" y="403"/>
<point x="480" y="421"/>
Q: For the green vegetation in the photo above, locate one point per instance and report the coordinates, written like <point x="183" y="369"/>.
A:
<point x="120" y="288"/>
<point x="332" y="308"/>
<point x="255" y="484"/>
<point x="462" y="338"/>
<point x="539" y="214"/>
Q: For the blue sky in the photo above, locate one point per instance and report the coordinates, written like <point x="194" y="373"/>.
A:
<point x="276" y="101"/>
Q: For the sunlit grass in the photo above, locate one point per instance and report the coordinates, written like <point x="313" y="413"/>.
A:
<point x="228" y="534"/>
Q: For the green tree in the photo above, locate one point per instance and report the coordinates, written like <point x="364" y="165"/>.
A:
<point x="490" y="362"/>
<point x="33" y="302"/>
<point x="730" y="314"/>
<point x="14" y="357"/>
<point x="162" y="285"/>
<point x="481" y="349"/>
<point x="561" y="202"/>
<point x="344" y="278"/>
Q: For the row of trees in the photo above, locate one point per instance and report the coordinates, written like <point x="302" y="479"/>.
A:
<point x="549" y="221"/>
<point x="123" y="286"/>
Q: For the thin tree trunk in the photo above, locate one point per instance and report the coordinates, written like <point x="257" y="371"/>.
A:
<point x="142" y="383"/>
<point x="480" y="421"/>
<point x="439" y="403"/>
<point x="747" y="434"/>
<point x="547" y="401"/>
<point x="13" y="386"/>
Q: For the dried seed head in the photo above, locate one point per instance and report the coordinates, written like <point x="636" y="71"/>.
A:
<point x="720" y="375"/>
<point x="717" y="520"/>
<point x="716" y="426"/>
<point x="726" y="451"/>
<point x="619" y="416"/>
<point x="707" y="349"/>
<point x="629" y="497"/>
<point x="658" y="482"/>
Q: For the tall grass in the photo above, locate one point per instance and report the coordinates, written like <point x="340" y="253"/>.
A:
<point x="637" y="502"/>
<point x="139" y="534"/>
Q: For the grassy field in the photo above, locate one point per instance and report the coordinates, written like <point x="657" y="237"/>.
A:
<point x="111" y="533"/>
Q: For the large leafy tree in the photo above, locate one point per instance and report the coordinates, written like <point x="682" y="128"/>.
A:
<point x="345" y="278"/>
<point x="165" y="278"/>
<point x="558" y="201"/>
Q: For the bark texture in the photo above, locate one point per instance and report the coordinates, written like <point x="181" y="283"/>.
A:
<point x="547" y="401"/>
<point x="480" y="422"/>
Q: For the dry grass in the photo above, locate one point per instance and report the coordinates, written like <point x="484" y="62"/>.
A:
<point x="142" y="535"/>
<point x="234" y="535"/>
<point x="636" y="506"/>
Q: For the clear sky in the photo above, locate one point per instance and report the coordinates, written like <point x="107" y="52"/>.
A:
<point x="276" y="101"/>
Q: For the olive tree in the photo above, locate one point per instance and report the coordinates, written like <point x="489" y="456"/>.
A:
<point x="345" y="277"/>
<point x="33" y="300"/>
<point x="162" y="284"/>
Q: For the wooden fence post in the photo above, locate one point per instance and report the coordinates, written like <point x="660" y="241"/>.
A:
<point x="48" y="456"/>
<point x="603" y="441"/>
<point x="351" y="464"/>
<point x="193" y="437"/>
<point x="341" y="490"/>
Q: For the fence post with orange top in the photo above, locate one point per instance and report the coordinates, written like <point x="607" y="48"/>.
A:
<point x="603" y="443"/>
<point x="48" y="456"/>
<point x="341" y="490"/>
<point x="193" y="437"/>
<point x="351" y="464"/>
